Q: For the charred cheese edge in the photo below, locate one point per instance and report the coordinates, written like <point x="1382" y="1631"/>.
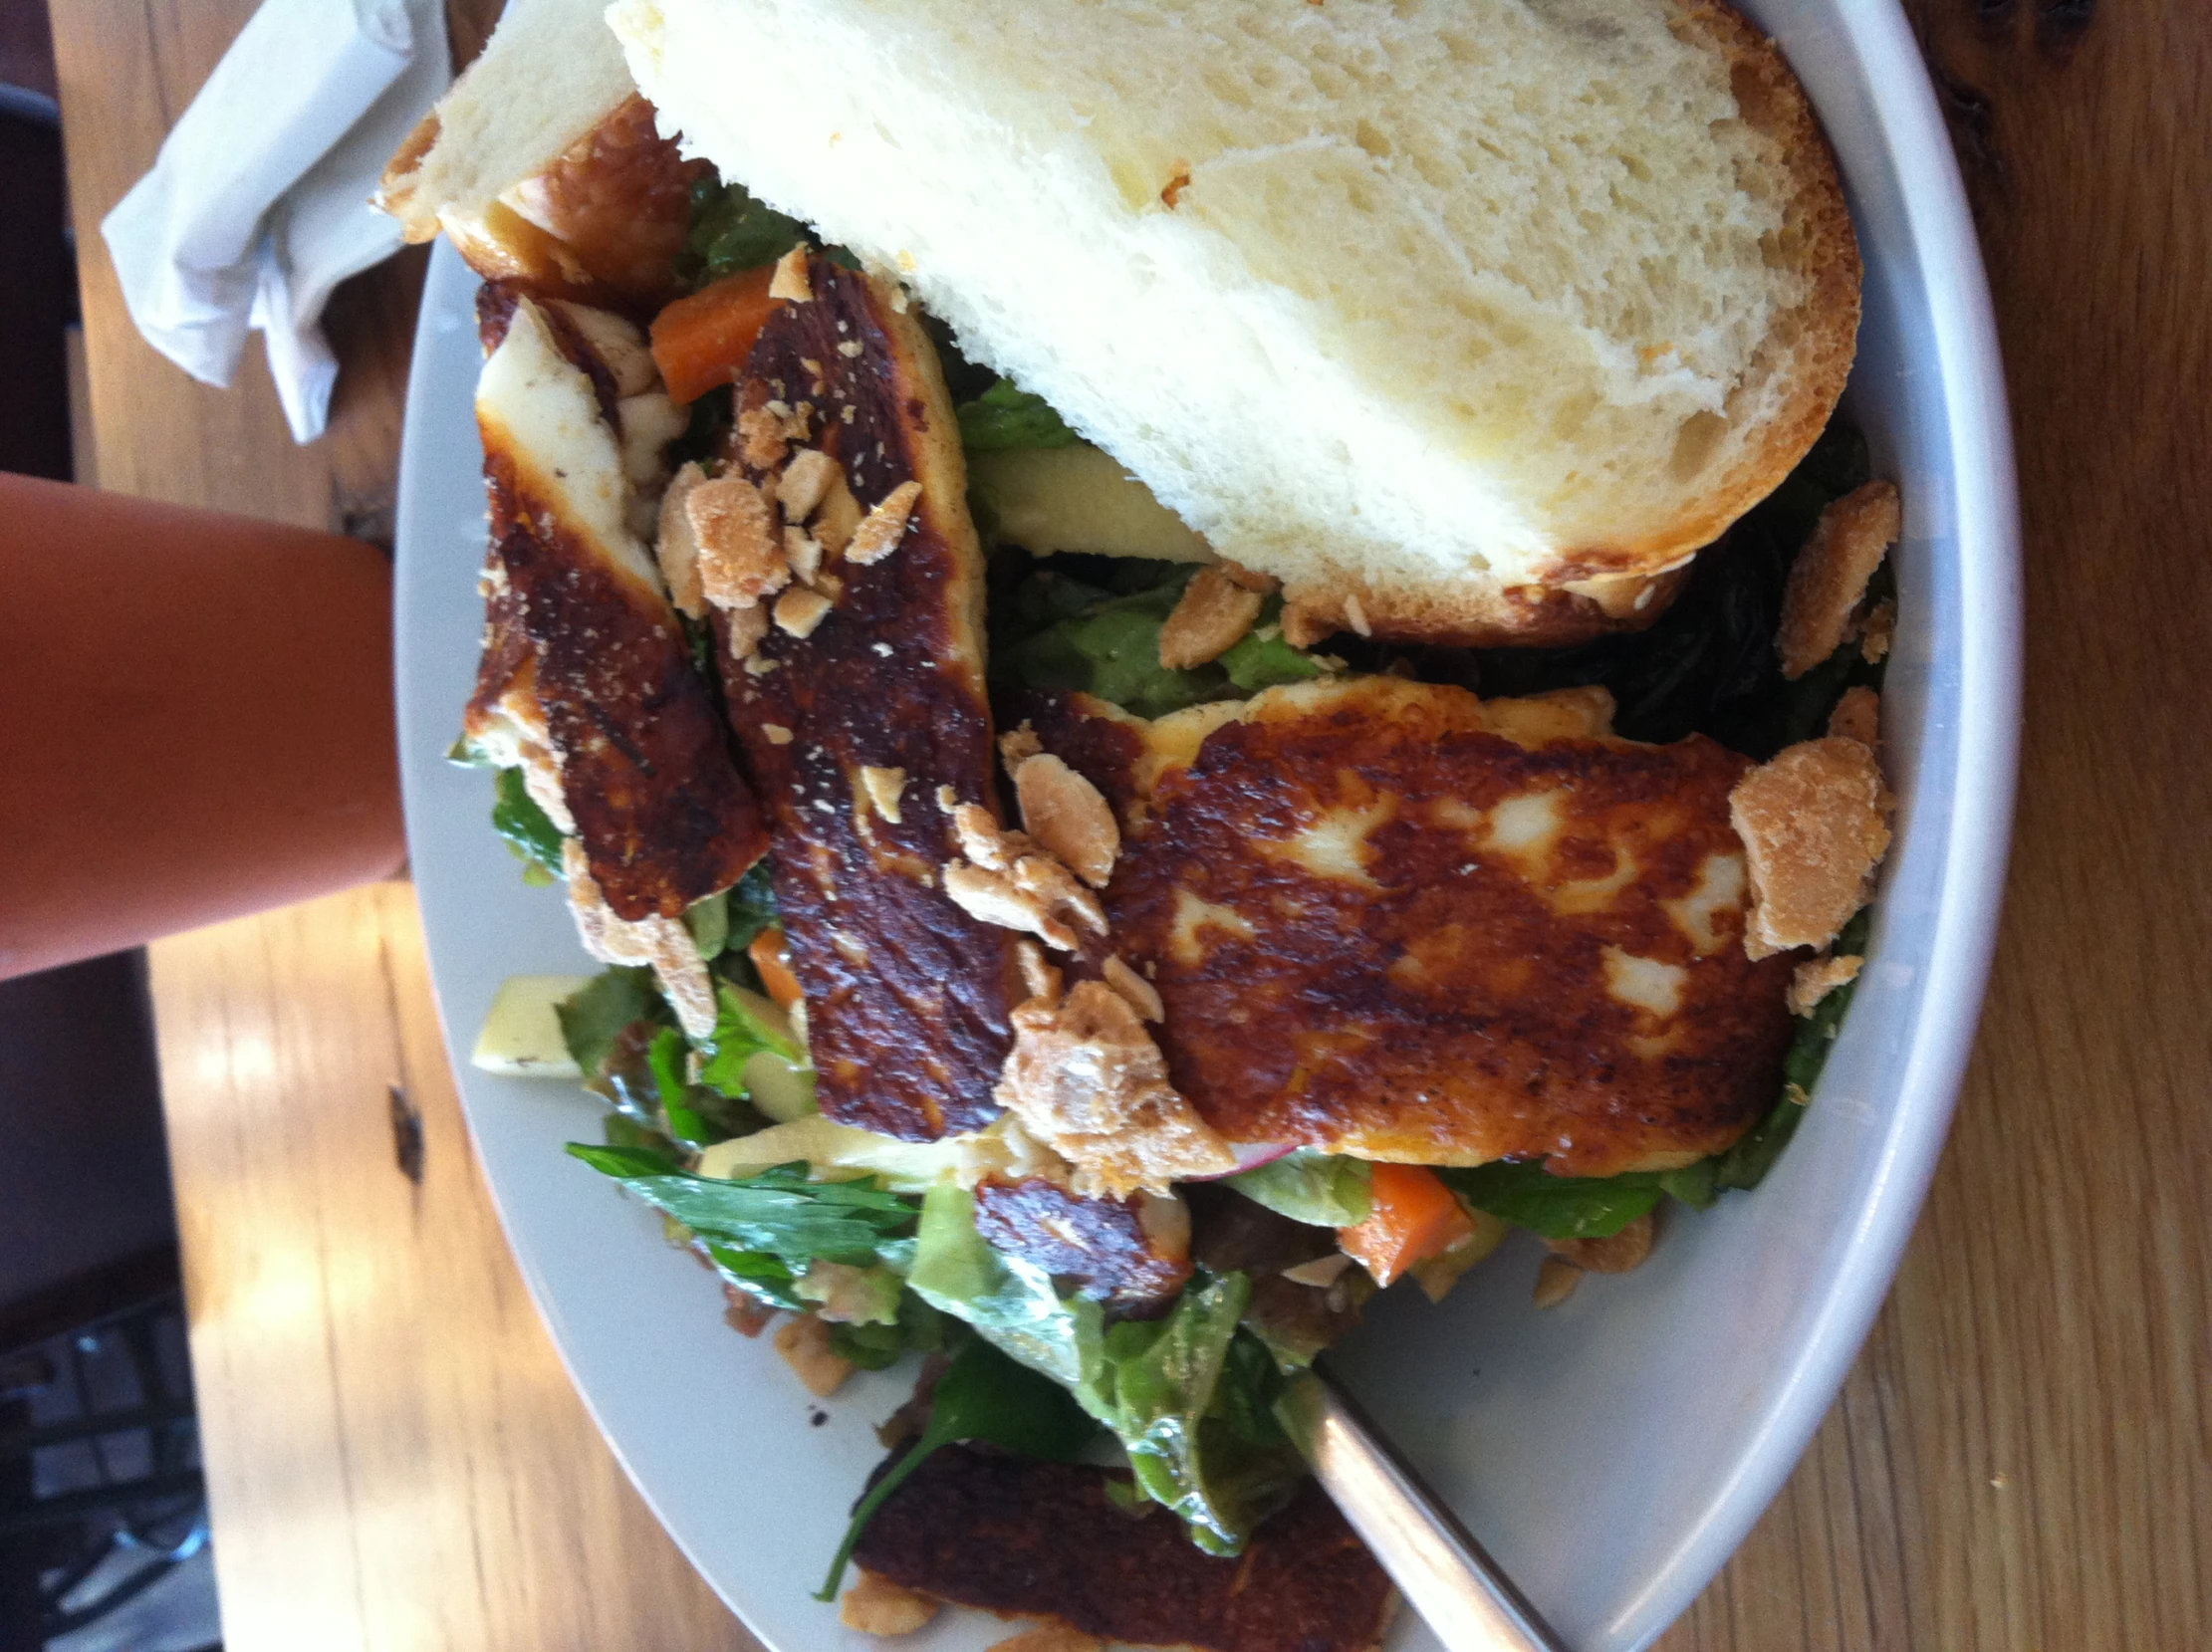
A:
<point x="656" y="800"/>
<point x="1393" y="920"/>
<point x="908" y="997"/>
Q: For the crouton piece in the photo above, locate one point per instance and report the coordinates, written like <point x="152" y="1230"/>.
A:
<point x="1828" y="582"/>
<point x="1814" y="826"/>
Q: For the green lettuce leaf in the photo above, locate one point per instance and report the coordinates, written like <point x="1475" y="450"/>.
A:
<point x="1010" y="1302"/>
<point x="779" y="1212"/>
<point x="1261" y="660"/>
<point x="740" y="1035"/>
<point x="528" y="829"/>
<point x="1556" y="1206"/>
<point x="1006" y="415"/>
<point x="597" y="1014"/>
<point x="1324" y="1190"/>
<point x="708" y="919"/>
<point x="731" y="231"/>
<point x="749" y="906"/>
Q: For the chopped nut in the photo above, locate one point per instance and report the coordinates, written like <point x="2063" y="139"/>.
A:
<point x="1211" y="618"/>
<point x="803" y="553"/>
<point x="1858" y="716"/>
<point x="1303" y="627"/>
<point x="790" y="280"/>
<point x="1355" y="615"/>
<point x="1142" y="996"/>
<point x="1816" y="978"/>
<point x="798" y="611"/>
<point x="879" y="536"/>
<point x="1556" y="1282"/>
<point x="990" y="897"/>
<point x="986" y="843"/>
<point x="830" y="585"/>
<point x="1828" y="579"/>
<point x="761" y="437"/>
<point x="947" y="799"/>
<point x="1041" y="980"/>
<point x="805" y="482"/>
<point x="1267" y="584"/>
<point x="1878" y="631"/>
<point x="1066" y="815"/>
<point x="1321" y="1272"/>
<point x="1085" y="1079"/>
<point x="1618" y="1253"/>
<point x="837" y="518"/>
<point x="1018" y="745"/>
<point x="884" y="787"/>
<point x="1054" y="884"/>
<point x="739" y="560"/>
<point x="746" y="627"/>
<point x="850" y="349"/>
<point x="759" y="665"/>
<point x="676" y="548"/>
<point x="776" y="734"/>
<point x="878" y="1606"/>
<point x="664" y="943"/>
<point x="805" y="1344"/>
<point x="1814" y="823"/>
<point x="1048" y="1637"/>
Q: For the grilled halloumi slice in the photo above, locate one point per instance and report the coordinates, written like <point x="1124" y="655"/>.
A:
<point x="606" y="683"/>
<point x="1391" y="919"/>
<point x="861" y="703"/>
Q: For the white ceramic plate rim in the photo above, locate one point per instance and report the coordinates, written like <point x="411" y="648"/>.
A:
<point x="592" y="1266"/>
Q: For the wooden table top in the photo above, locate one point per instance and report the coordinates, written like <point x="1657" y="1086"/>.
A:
<point x="2022" y="1458"/>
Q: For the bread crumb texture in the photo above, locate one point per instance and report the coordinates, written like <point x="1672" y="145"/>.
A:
<point x="1815" y="823"/>
<point x="1457" y="296"/>
<point x="1828" y="582"/>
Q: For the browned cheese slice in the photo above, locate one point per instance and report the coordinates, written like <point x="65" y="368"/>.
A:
<point x="1018" y="1536"/>
<point x="1131" y="1254"/>
<point x="650" y="785"/>
<point x="1391" y="919"/>
<point x="861" y="707"/>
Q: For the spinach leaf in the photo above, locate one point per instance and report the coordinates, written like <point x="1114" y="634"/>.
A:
<point x="622" y="1130"/>
<point x="777" y="1212"/>
<point x="1323" y="1190"/>
<point x="667" y="1054"/>
<point x="596" y="1014"/>
<point x="870" y="1345"/>
<point x="1110" y="647"/>
<point x="527" y="829"/>
<point x="1261" y="658"/>
<point x="1006" y="415"/>
<point x="983" y="1395"/>
<point x="731" y="231"/>
<point x="766" y="1277"/>
<point x="708" y="919"/>
<point x="1556" y="1206"/>
<point x="741" y="1032"/>
<point x="750" y="907"/>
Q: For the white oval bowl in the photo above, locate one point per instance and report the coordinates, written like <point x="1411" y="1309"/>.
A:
<point x="1610" y="1452"/>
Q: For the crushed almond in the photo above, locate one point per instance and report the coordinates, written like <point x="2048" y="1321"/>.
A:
<point x="1877" y="633"/>
<point x="1858" y="716"/>
<point x="1141" y="995"/>
<point x="850" y="349"/>
<point x="676" y="547"/>
<point x="1303" y="627"/>
<point x="1618" y="1253"/>
<point x="1044" y="878"/>
<point x="1019" y="745"/>
<point x="776" y="734"/>
<point x="803" y="553"/>
<point x="739" y="559"/>
<point x="836" y="518"/>
<point x="761" y="438"/>
<point x="664" y="943"/>
<point x="1048" y="1637"/>
<point x="1210" y="617"/>
<point x="746" y="628"/>
<point x="1087" y="1081"/>
<point x="879" y="536"/>
<point x="759" y="665"/>
<point x="1814" y="826"/>
<point x="1818" y="978"/>
<point x="800" y="610"/>
<point x="1267" y="584"/>
<point x="805" y="1344"/>
<point x="1321" y="1272"/>
<point x="878" y="1606"/>
<point x="805" y="482"/>
<point x="991" y="897"/>
<point x="1038" y="977"/>
<point x="983" y="841"/>
<point x="1556" y="1282"/>
<point x="1068" y="817"/>
<point x="1355" y="615"/>
<point x="884" y="787"/>
<point x="1828" y="582"/>
<point x="790" y="280"/>
<point x="947" y="799"/>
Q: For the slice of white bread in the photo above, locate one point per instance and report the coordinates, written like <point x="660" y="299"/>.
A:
<point x="547" y="78"/>
<point x="1430" y="308"/>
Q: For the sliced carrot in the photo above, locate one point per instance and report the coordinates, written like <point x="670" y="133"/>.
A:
<point x="702" y="340"/>
<point x="771" y="958"/>
<point x="1411" y="1216"/>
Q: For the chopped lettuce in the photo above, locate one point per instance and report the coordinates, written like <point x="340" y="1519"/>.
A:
<point x="1556" y="1206"/>
<point x="1006" y="416"/>
<point x="731" y="231"/>
<point x="527" y="828"/>
<point x="780" y="1212"/>
<point x="746" y="1024"/>
<point x="1323" y="1190"/>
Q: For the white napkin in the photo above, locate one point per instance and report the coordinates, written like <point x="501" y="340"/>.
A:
<point x="258" y="205"/>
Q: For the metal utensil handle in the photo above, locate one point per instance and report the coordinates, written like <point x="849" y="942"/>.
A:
<point x="1446" y="1577"/>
